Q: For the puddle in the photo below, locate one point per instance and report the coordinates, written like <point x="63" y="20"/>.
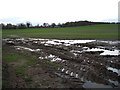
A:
<point x="77" y="41"/>
<point x="37" y="39"/>
<point x="76" y="76"/>
<point x="114" y="82"/>
<point x="20" y="39"/>
<point x="89" y="84"/>
<point x="56" y="59"/>
<point x="41" y="57"/>
<point x="61" y="42"/>
<point x="53" y="42"/>
<point x="85" y="48"/>
<point x="114" y="53"/>
<point x="62" y="70"/>
<point x="76" y="52"/>
<point x="71" y="74"/>
<point x="106" y="52"/>
<point x="110" y="42"/>
<point x="25" y="48"/>
<point x="114" y="70"/>
<point x="10" y="41"/>
<point x="68" y="42"/>
<point x="52" y="58"/>
<point x="67" y="72"/>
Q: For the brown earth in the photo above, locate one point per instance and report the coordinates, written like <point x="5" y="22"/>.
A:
<point x="89" y="66"/>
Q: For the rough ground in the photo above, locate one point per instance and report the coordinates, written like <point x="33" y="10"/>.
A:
<point x="61" y="65"/>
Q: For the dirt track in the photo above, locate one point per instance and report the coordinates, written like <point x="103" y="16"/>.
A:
<point x="89" y="64"/>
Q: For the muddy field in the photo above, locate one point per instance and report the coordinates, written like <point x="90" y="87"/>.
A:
<point x="78" y="63"/>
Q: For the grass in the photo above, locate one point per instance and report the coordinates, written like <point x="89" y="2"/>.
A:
<point x="50" y="64"/>
<point x="12" y="56"/>
<point x="27" y="79"/>
<point x="20" y="70"/>
<point x="103" y="31"/>
<point x="4" y="85"/>
<point x="40" y="83"/>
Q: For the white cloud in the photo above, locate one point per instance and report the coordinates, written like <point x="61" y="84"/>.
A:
<point x="39" y="11"/>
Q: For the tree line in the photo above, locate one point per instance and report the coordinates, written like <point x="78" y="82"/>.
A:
<point x="53" y="25"/>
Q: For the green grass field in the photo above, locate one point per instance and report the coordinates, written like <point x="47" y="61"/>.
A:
<point x="103" y="31"/>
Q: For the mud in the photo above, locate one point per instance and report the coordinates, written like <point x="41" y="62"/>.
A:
<point x="83" y="63"/>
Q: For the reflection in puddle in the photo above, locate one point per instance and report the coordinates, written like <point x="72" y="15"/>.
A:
<point x="64" y="42"/>
<point x="114" y="70"/>
<point x="59" y="42"/>
<point x="41" y="57"/>
<point x="62" y="70"/>
<point x="25" y="48"/>
<point x="52" y="58"/>
<point x="110" y="42"/>
<point x="71" y="74"/>
<point x="114" y="82"/>
<point x="106" y="52"/>
<point x="89" y="84"/>
<point x="76" y="76"/>
<point x="76" y="51"/>
<point x="66" y="72"/>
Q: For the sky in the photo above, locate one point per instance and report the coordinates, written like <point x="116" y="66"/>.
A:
<point x="57" y="11"/>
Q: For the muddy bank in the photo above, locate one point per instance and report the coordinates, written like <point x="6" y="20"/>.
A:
<point x="82" y="63"/>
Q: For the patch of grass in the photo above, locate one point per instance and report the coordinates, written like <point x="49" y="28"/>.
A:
<point x="13" y="56"/>
<point x="20" y="70"/>
<point x="27" y="79"/>
<point x="38" y="84"/>
<point x="4" y="85"/>
<point x="102" y="31"/>
<point x="31" y="62"/>
<point x="50" y="64"/>
<point x="43" y="83"/>
<point x="33" y="85"/>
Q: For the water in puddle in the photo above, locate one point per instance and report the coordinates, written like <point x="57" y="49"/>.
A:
<point x="89" y="84"/>
<point x="71" y="74"/>
<point x="56" y="59"/>
<point x="106" y="52"/>
<point x="66" y="42"/>
<point x="66" y="72"/>
<point x="114" y="82"/>
<point x="76" y="51"/>
<point x="25" y="48"/>
<point x="52" y="58"/>
<point x="76" y="76"/>
<point x="62" y="70"/>
<point x="114" y="70"/>
<point x="109" y="42"/>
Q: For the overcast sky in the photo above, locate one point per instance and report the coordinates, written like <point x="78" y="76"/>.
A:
<point x="57" y="11"/>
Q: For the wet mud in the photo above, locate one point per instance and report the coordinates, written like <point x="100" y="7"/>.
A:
<point x="83" y="63"/>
